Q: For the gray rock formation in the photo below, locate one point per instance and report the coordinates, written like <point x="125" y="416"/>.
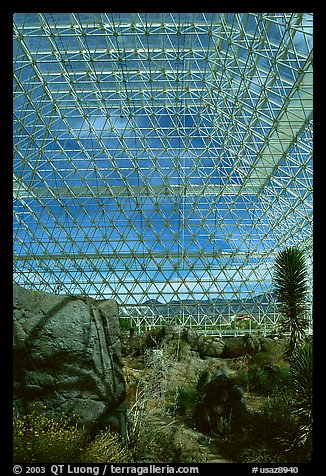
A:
<point x="229" y="347"/>
<point x="67" y="358"/>
<point x="211" y="347"/>
<point x="204" y="347"/>
<point x="208" y="346"/>
<point x="241" y="345"/>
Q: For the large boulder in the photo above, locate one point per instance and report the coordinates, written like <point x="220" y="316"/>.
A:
<point x="210" y="347"/>
<point x="241" y="345"/>
<point x="67" y="358"/>
<point x="206" y="347"/>
<point x="272" y="350"/>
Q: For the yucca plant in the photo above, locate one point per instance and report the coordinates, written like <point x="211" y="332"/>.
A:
<point x="291" y="285"/>
<point x="301" y="366"/>
<point x="298" y="442"/>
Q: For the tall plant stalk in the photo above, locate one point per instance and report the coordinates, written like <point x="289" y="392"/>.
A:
<point x="291" y="287"/>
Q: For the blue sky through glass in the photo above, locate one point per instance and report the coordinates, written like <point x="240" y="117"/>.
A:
<point x="149" y="150"/>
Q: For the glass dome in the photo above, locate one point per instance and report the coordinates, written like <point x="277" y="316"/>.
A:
<point x="161" y="159"/>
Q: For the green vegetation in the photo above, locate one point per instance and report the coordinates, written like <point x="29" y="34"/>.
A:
<point x="281" y="430"/>
<point x="263" y="380"/>
<point x="173" y="390"/>
<point x="301" y="370"/>
<point x="263" y="439"/>
<point x="291" y="288"/>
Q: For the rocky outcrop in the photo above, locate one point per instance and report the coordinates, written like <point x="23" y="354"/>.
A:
<point x="67" y="358"/>
<point x="213" y="347"/>
<point x="241" y="345"/>
<point x="229" y="347"/>
<point x="206" y="346"/>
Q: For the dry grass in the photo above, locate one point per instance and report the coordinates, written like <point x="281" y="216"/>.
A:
<point x="38" y="438"/>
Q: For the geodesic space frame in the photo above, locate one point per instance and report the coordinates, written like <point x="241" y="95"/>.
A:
<point x="161" y="158"/>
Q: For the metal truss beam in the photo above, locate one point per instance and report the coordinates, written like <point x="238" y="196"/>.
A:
<point x="144" y="255"/>
<point x="22" y="191"/>
<point x="295" y="115"/>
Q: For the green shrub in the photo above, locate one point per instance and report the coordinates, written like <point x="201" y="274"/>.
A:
<point x="124" y="325"/>
<point x="275" y="418"/>
<point x="281" y="431"/>
<point x="242" y="379"/>
<point x="287" y="432"/>
<point x="262" y="439"/>
<point x="188" y="399"/>
<point x="257" y="379"/>
<point x="184" y="399"/>
<point x="152" y="439"/>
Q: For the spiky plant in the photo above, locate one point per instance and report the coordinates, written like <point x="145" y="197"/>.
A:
<point x="291" y="285"/>
<point x="301" y="368"/>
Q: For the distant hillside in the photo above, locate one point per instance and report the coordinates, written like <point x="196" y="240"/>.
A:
<point x="251" y="305"/>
